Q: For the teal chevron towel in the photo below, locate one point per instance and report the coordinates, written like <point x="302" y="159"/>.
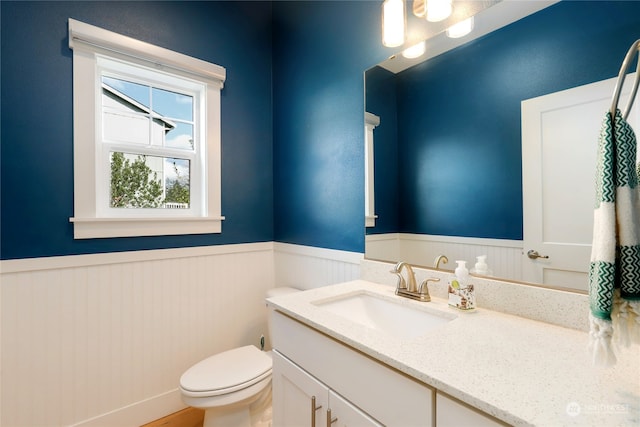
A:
<point x="614" y="270"/>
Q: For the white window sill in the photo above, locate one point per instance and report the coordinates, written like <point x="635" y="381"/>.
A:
<point x="90" y="228"/>
<point x="370" y="220"/>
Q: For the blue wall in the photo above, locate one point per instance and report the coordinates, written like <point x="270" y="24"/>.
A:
<point x="321" y="50"/>
<point x="459" y="114"/>
<point x="292" y="110"/>
<point x="306" y="121"/>
<point x="37" y="110"/>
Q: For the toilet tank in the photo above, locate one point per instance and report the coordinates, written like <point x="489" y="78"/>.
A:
<point x="274" y="293"/>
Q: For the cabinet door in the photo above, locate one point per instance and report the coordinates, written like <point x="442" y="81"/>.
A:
<point x="344" y="414"/>
<point x="453" y="413"/>
<point x="294" y="393"/>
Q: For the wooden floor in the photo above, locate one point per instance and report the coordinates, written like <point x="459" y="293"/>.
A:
<point x="189" y="417"/>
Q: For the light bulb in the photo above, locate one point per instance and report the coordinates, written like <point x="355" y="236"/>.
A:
<point x="393" y="23"/>
<point x="419" y="8"/>
<point x="460" y="29"/>
<point x="414" y="51"/>
<point x="438" y="10"/>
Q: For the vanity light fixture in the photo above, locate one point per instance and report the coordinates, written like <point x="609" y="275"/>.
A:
<point x="438" y="10"/>
<point x="420" y="8"/>
<point x="393" y="23"/>
<point x="460" y="29"/>
<point x="414" y="51"/>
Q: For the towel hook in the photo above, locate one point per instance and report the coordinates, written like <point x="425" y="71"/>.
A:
<point x="635" y="48"/>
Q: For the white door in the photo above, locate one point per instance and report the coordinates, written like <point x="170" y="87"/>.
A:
<point x="559" y="142"/>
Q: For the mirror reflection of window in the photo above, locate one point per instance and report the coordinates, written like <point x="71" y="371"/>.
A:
<point x="370" y="123"/>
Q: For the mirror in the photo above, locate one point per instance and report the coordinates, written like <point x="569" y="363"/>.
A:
<point x="461" y="195"/>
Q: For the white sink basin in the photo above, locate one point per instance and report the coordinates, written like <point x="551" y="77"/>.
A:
<point x="385" y="315"/>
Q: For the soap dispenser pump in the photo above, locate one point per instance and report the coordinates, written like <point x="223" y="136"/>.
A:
<point x="462" y="274"/>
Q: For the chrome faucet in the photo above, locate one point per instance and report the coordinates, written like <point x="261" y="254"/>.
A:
<point x="440" y="258"/>
<point x="408" y="288"/>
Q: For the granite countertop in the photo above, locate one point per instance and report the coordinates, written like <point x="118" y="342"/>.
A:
<point x="521" y="371"/>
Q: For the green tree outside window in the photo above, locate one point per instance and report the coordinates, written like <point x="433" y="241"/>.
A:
<point x="134" y="184"/>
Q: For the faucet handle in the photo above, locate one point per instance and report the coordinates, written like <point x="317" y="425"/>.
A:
<point x="402" y="284"/>
<point x="424" y="288"/>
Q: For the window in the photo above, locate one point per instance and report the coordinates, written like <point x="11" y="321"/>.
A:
<point x="146" y="138"/>
<point x="149" y="142"/>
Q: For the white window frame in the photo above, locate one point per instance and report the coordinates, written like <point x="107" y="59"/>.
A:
<point x="89" y="45"/>
<point x="371" y="121"/>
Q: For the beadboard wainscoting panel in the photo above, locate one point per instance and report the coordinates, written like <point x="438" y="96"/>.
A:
<point x="385" y="247"/>
<point x="96" y="339"/>
<point x="504" y="257"/>
<point x="305" y="267"/>
<point x="102" y="339"/>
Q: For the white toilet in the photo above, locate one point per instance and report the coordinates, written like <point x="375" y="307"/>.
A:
<point x="233" y="387"/>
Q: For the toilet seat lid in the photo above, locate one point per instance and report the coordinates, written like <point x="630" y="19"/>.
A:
<point x="227" y="371"/>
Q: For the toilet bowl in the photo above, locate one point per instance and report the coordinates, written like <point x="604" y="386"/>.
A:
<point x="233" y="387"/>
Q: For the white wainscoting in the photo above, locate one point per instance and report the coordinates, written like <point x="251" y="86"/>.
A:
<point x="101" y="340"/>
<point x="504" y="257"/>
<point x="305" y="267"/>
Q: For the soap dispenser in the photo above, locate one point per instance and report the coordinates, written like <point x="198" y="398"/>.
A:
<point x="481" y="266"/>
<point x="461" y="293"/>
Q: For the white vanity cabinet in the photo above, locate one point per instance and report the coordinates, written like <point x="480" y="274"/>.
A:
<point x="359" y="390"/>
<point x="301" y="400"/>
<point x="453" y="413"/>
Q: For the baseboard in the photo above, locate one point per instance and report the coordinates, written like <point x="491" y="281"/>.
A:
<point x="138" y="413"/>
